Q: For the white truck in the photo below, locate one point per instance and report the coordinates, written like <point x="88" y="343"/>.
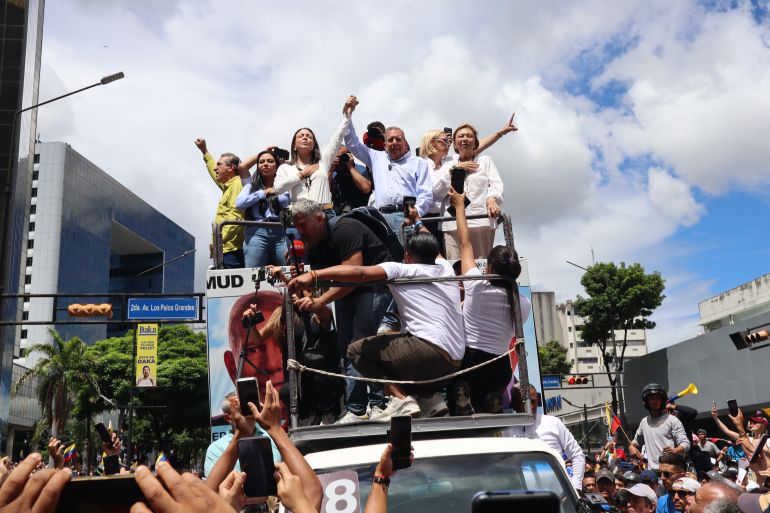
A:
<point x="454" y="458"/>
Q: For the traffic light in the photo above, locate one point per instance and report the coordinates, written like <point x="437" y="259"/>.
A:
<point x="578" y="380"/>
<point x="758" y="336"/>
<point x="90" y="310"/>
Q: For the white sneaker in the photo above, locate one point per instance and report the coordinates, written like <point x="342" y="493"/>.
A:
<point x="398" y="407"/>
<point x="433" y="406"/>
<point x="374" y="411"/>
<point x="350" y="417"/>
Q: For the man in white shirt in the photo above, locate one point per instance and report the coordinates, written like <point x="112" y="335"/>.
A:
<point x="432" y="342"/>
<point x="555" y="434"/>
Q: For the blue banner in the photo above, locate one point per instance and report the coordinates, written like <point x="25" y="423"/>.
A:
<point x="162" y="309"/>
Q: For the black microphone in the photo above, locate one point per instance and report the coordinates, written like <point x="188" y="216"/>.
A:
<point x="250" y="322"/>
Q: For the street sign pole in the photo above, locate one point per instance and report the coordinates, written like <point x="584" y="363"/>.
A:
<point x="129" y="444"/>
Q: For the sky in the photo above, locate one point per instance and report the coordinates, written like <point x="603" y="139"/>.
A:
<point x="643" y="126"/>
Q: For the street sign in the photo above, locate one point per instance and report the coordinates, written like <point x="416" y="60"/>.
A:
<point x="551" y="382"/>
<point x="162" y="309"/>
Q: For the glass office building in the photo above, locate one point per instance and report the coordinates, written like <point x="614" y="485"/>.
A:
<point x="21" y="34"/>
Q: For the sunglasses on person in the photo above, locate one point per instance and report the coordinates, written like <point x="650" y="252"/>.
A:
<point x="669" y="474"/>
<point x="444" y="140"/>
<point x="681" y="493"/>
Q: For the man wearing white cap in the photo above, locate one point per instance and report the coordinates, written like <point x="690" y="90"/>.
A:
<point x="642" y="499"/>
<point x="683" y="491"/>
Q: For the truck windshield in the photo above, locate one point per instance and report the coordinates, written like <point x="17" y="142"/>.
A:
<point x="448" y="484"/>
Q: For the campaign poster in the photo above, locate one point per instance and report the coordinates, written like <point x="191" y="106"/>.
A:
<point x="146" y="355"/>
<point x="229" y="292"/>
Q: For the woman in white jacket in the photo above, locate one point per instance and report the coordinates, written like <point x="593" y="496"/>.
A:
<point x="306" y="174"/>
<point x="484" y="189"/>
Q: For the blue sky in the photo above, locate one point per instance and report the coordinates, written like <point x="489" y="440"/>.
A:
<point x="643" y="125"/>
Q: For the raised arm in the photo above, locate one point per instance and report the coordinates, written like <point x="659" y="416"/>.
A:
<point x="211" y="164"/>
<point x="352" y="142"/>
<point x="732" y="435"/>
<point x="467" y="261"/>
<point x="330" y="151"/>
<point x="341" y="273"/>
<point x="493" y="138"/>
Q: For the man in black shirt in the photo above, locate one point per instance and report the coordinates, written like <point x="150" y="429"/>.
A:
<point x="350" y="184"/>
<point x="359" y="309"/>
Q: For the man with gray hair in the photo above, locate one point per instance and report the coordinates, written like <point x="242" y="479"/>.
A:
<point x="226" y="446"/>
<point x="347" y="241"/>
<point x="396" y="172"/>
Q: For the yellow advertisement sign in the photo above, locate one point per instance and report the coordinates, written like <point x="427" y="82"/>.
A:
<point x="146" y="355"/>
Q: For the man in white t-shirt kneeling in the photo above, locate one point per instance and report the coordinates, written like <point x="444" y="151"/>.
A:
<point x="432" y="341"/>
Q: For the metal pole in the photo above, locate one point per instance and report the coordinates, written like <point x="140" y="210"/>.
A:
<point x="585" y="428"/>
<point x="129" y="439"/>
<point x="291" y="349"/>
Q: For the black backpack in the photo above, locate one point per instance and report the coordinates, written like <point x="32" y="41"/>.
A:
<point x="374" y="220"/>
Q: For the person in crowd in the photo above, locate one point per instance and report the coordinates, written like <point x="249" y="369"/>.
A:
<point x="259" y="202"/>
<point x="359" y="310"/>
<point x="555" y="434"/>
<point x="605" y="483"/>
<point x="620" y="499"/>
<point x="229" y="176"/>
<point x="432" y="342"/>
<point x="377" y="502"/>
<point x="754" y="502"/>
<point x="641" y="499"/>
<point x="222" y="453"/>
<point x="396" y="173"/>
<point x="746" y="435"/>
<point x="315" y="340"/>
<point x="706" y="446"/>
<point x="671" y="466"/>
<point x="683" y="492"/>
<point x="434" y="148"/>
<point x="659" y="432"/>
<point x="649" y="478"/>
<point x="619" y="481"/>
<point x="589" y="482"/>
<point x="306" y="175"/>
<point x="711" y="492"/>
<point x="350" y="183"/>
<point x="631" y="478"/>
<point x="488" y="321"/>
<point x="483" y="187"/>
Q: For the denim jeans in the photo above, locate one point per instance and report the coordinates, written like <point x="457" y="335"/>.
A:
<point x="358" y="316"/>
<point x="264" y="245"/>
<point x="232" y="259"/>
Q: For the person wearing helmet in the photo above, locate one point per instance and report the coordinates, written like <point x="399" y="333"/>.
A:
<point x="659" y="432"/>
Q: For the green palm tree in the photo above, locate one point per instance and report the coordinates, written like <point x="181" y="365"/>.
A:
<point x="63" y="370"/>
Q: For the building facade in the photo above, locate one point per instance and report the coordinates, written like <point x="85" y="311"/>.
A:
<point x="737" y="304"/>
<point x="90" y="234"/>
<point x="21" y="37"/>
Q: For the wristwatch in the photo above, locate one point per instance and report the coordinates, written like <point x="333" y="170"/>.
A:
<point x="418" y="225"/>
<point x="384" y="481"/>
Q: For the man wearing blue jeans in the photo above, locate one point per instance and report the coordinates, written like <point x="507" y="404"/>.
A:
<point x="359" y="309"/>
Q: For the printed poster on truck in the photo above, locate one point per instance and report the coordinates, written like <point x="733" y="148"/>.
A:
<point x="146" y="355"/>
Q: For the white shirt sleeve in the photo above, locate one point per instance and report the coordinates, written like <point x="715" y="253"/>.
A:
<point x="331" y="148"/>
<point x="286" y="178"/>
<point x="574" y="453"/>
<point x="495" y="183"/>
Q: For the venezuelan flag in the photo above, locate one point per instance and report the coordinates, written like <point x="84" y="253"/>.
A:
<point x="70" y="453"/>
<point x="161" y="457"/>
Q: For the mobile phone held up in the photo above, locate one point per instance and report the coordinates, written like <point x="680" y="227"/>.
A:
<point x="758" y="449"/>
<point x="248" y="392"/>
<point x="103" y="433"/>
<point x="457" y="179"/>
<point x="505" y="502"/>
<point x="114" y="494"/>
<point x="401" y="438"/>
<point x="409" y="202"/>
<point x="255" y="455"/>
<point x="732" y="405"/>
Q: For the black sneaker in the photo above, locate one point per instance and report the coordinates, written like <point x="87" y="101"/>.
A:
<point x="461" y="392"/>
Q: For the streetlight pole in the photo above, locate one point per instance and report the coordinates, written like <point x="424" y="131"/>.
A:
<point x="617" y="387"/>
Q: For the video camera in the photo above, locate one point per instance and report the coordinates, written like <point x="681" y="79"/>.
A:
<point x="595" y="503"/>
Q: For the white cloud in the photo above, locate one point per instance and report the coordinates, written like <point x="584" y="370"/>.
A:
<point x="246" y="77"/>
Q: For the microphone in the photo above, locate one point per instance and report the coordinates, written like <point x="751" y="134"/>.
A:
<point x="250" y="322"/>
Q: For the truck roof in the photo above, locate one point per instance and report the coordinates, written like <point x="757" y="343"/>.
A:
<point x="366" y="454"/>
<point x="338" y="436"/>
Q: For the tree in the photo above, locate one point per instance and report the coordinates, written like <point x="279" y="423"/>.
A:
<point x="63" y="370"/>
<point x="182" y="422"/>
<point x="620" y="298"/>
<point x="553" y="358"/>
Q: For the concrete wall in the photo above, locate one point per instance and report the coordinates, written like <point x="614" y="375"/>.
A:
<point x="711" y="362"/>
<point x="747" y="300"/>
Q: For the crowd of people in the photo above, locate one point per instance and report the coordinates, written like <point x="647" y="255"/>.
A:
<point x="415" y="332"/>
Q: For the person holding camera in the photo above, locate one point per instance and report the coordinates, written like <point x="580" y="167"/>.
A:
<point x="306" y="175"/>
<point x="482" y="186"/>
<point x="350" y="183"/>
<point x="258" y="200"/>
<point x="396" y="173"/>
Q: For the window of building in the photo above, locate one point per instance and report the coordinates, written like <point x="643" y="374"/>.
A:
<point x="569" y="328"/>
<point x="571" y="345"/>
<point x="27" y="279"/>
<point x="32" y="209"/>
<point x="568" y="313"/>
<point x="23" y="333"/>
<point x="593" y="359"/>
<point x="24" y="316"/>
<point x="35" y="175"/>
<point x="30" y="243"/>
<point x="32" y="227"/>
<point x="29" y="261"/>
<point x="36" y="158"/>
